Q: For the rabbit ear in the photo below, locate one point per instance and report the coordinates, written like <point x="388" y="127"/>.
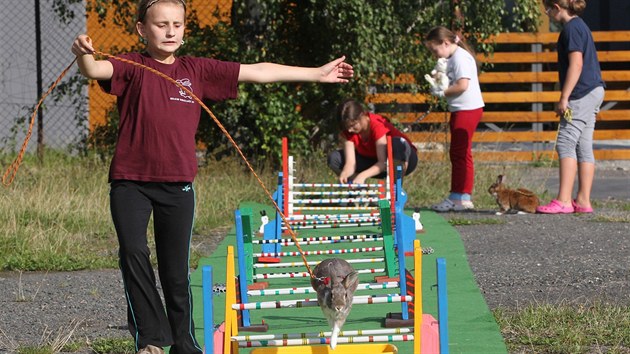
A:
<point x="501" y="179"/>
<point x="351" y="281"/>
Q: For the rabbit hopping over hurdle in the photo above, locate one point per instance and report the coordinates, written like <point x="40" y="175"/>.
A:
<point x="335" y="282"/>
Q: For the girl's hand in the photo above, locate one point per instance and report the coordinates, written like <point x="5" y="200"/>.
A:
<point x="345" y="175"/>
<point x="82" y="45"/>
<point x="561" y="107"/>
<point x="337" y="71"/>
<point x="358" y="179"/>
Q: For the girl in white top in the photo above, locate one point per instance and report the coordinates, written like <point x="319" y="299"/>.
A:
<point x="466" y="106"/>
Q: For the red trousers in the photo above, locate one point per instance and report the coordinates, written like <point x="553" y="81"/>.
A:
<point x="463" y="125"/>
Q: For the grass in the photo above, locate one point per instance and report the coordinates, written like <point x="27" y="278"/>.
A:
<point x="53" y="342"/>
<point x="571" y="329"/>
<point x="56" y="214"/>
<point x="56" y="217"/>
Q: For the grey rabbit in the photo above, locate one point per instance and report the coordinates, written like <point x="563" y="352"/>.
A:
<point x="335" y="282"/>
<point x="519" y="200"/>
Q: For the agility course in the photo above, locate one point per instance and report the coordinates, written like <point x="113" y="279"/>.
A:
<point x="402" y="300"/>
<point x="471" y="327"/>
<point x="402" y="304"/>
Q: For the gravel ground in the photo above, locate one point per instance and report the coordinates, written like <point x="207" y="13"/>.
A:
<point x="524" y="259"/>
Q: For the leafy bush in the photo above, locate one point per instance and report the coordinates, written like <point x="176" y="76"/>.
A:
<point x="380" y="38"/>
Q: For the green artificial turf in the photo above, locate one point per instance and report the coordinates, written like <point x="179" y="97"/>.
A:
<point x="471" y="326"/>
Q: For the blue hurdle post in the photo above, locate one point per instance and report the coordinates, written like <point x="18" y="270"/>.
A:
<point x="442" y="305"/>
<point x="208" y="311"/>
<point x="402" y="276"/>
<point x="242" y="267"/>
<point x="405" y="225"/>
<point x="273" y="230"/>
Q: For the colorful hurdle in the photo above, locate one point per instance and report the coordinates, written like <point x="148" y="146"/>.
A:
<point x="403" y="224"/>
<point x="424" y="333"/>
<point x="244" y="232"/>
<point x="249" y="284"/>
<point x="248" y="277"/>
<point x="298" y="217"/>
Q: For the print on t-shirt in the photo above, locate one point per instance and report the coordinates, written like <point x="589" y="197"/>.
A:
<point x="185" y="97"/>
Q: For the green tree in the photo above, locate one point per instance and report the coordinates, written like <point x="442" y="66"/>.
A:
<point x="380" y="38"/>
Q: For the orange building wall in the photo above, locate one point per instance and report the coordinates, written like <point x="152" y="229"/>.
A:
<point x="107" y="36"/>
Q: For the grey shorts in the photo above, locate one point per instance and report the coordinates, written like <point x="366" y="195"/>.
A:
<point x="575" y="138"/>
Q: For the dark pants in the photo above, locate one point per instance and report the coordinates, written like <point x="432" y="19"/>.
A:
<point x="400" y="149"/>
<point x="173" y="208"/>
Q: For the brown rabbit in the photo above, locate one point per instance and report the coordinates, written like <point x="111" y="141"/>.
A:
<point x="335" y="282"/>
<point x="519" y="200"/>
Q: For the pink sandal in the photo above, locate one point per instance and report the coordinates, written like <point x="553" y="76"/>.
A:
<point x="555" y="207"/>
<point x="581" y="209"/>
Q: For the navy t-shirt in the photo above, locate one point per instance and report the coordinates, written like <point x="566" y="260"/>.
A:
<point x="158" y="120"/>
<point x="577" y="37"/>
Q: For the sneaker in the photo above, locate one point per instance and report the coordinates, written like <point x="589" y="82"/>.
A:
<point x="453" y="205"/>
<point x="151" y="349"/>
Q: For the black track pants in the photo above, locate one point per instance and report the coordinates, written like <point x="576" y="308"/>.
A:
<point x="173" y="208"/>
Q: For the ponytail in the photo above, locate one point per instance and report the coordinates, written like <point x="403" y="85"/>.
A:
<point x="439" y="34"/>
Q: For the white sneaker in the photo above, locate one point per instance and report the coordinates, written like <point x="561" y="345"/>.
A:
<point x="453" y="205"/>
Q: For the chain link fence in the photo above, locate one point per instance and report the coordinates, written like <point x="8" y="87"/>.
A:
<point x="31" y="58"/>
<point x="37" y="52"/>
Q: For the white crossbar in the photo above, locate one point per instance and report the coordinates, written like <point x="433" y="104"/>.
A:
<point x="360" y="332"/>
<point x="309" y="290"/>
<point x="360" y="300"/>
<point x="300" y="264"/>
<point x="312" y="341"/>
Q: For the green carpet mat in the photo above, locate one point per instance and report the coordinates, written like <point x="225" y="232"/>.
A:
<point x="471" y="326"/>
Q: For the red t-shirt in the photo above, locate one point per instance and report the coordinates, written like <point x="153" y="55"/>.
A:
<point x="158" y="120"/>
<point x="379" y="127"/>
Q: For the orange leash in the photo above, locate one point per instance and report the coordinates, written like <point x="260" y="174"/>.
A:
<point x="11" y="172"/>
<point x="15" y="165"/>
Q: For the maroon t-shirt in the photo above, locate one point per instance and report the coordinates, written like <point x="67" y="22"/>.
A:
<point x="158" y="120"/>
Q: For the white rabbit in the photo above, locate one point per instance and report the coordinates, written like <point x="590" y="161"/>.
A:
<point x="438" y="79"/>
<point x="335" y="282"/>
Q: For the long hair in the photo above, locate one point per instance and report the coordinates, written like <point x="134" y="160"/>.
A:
<point x="574" y="7"/>
<point x="439" y="34"/>
<point x="144" y="5"/>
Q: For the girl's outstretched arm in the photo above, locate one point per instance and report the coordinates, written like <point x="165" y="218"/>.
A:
<point x="89" y="67"/>
<point x="336" y="71"/>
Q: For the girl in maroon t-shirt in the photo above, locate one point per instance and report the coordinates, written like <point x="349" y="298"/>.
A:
<point x="154" y="163"/>
<point x="364" y="140"/>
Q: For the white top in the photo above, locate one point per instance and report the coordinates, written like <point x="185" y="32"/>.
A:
<point x="462" y="65"/>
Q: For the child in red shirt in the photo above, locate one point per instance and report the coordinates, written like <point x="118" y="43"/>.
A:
<point x="364" y="140"/>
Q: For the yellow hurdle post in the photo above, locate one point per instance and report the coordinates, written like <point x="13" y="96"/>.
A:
<point x="231" y="325"/>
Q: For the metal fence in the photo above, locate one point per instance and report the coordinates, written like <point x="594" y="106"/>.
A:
<point x="37" y="51"/>
<point x="31" y="57"/>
